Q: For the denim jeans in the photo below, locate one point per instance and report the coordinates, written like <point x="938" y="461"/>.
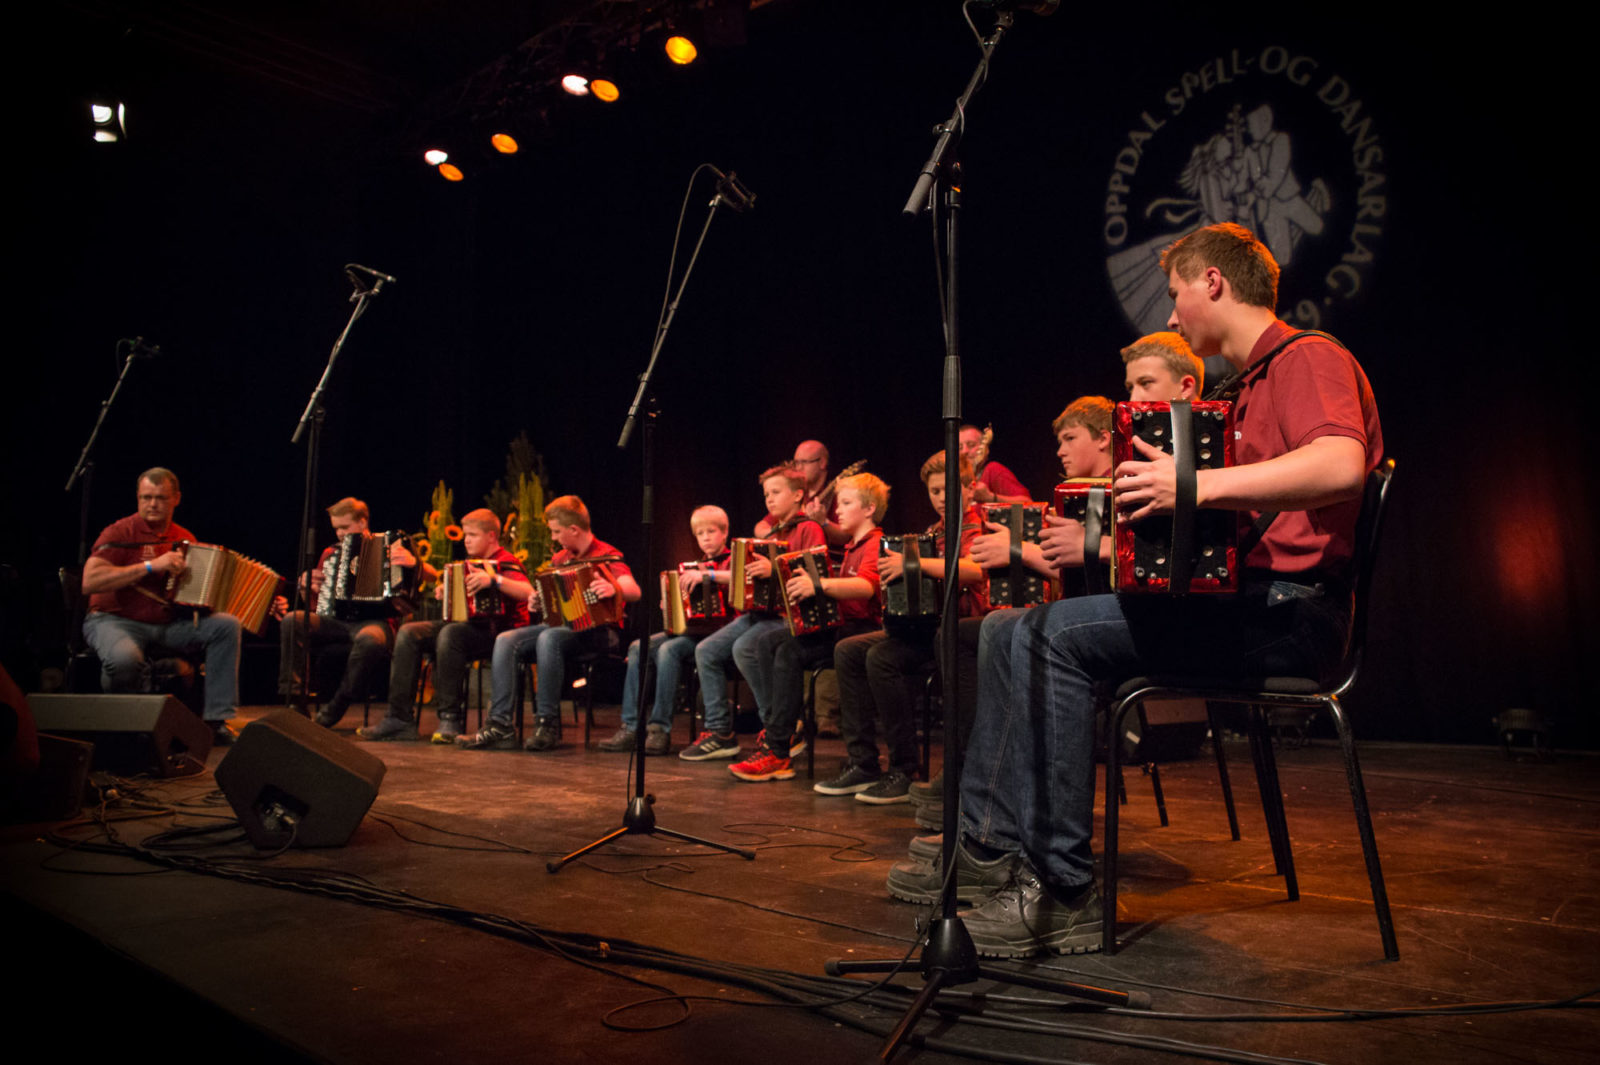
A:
<point x="125" y="645"/>
<point x="548" y="646"/>
<point x="670" y="653"/>
<point x="1029" y="779"/>
<point x="455" y="644"/>
<point x="712" y="657"/>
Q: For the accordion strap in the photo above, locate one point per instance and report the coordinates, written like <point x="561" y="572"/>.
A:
<point x="1230" y="386"/>
<point x="1093" y="575"/>
<point x="1182" y="546"/>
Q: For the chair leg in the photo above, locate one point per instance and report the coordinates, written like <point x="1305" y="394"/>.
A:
<point x="1222" y="772"/>
<point x="1369" y="842"/>
<point x="808" y="726"/>
<point x="1272" y="802"/>
<point x="588" y="702"/>
<point x="927" y="729"/>
<point x="1154" y="772"/>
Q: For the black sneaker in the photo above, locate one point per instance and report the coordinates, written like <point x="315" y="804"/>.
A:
<point x="852" y="779"/>
<point x="544" y="735"/>
<point x="221" y="734"/>
<point x="389" y="728"/>
<point x="621" y="740"/>
<point x="1026" y="917"/>
<point x="893" y="787"/>
<point x="657" y="739"/>
<point x="711" y="745"/>
<point x="495" y="736"/>
<point x="975" y="878"/>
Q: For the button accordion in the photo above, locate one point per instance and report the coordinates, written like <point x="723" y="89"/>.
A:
<point x="1015" y="584"/>
<point x="700" y="609"/>
<point x="1087" y="501"/>
<point x="359" y="581"/>
<point x="461" y="605"/>
<point x="817" y="612"/>
<point x="747" y="592"/>
<point x="912" y="603"/>
<point x="1194" y="550"/>
<point x="566" y="595"/>
<point x="224" y="581"/>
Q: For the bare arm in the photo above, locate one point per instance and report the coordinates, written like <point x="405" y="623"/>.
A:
<point x="1328" y="470"/>
<point x="101" y="576"/>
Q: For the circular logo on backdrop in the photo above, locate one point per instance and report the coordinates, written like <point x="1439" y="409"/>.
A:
<point x="1278" y="141"/>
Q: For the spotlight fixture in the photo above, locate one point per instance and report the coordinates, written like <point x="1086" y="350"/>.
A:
<point x="450" y="172"/>
<point x="576" y="84"/>
<point x="604" y="90"/>
<point x="435" y="156"/>
<point x="504" y="143"/>
<point x="110" y="121"/>
<point x="681" y="50"/>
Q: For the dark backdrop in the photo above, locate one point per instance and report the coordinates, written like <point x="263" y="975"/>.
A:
<point x="527" y="293"/>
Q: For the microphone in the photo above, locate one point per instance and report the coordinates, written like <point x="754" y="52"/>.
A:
<point x="370" y="272"/>
<point x="733" y="192"/>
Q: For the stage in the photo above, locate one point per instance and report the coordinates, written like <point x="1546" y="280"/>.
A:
<point x="436" y="934"/>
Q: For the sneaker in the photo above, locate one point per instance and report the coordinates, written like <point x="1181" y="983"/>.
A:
<point x="975" y="878"/>
<point x="929" y="850"/>
<point x="797" y="743"/>
<point x="544" y="735"/>
<point x="621" y="740"/>
<point x="221" y="734"/>
<point x="893" y="787"/>
<point x="929" y="790"/>
<point x="448" y="732"/>
<point x="851" y="780"/>
<point x="327" y="719"/>
<point x="930" y="815"/>
<point x="763" y="765"/>
<point x="657" y="740"/>
<point x="389" y="728"/>
<point x="711" y="745"/>
<point x="495" y="736"/>
<point x="1025" y="917"/>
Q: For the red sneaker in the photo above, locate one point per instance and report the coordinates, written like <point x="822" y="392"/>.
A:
<point x="763" y="765"/>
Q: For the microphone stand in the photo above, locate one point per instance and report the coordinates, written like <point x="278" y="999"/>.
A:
<point x="84" y="469"/>
<point x="311" y="422"/>
<point x="640" y="818"/>
<point x="949" y="959"/>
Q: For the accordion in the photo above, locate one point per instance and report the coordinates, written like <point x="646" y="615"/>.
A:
<point x="364" y="583"/>
<point x="1194" y="551"/>
<point x="224" y="581"/>
<point x="753" y="593"/>
<point x="912" y="604"/>
<point x="567" y="598"/>
<point x="699" y="609"/>
<point x="487" y="604"/>
<point x="1014" y="584"/>
<point x="819" y="611"/>
<point x="1087" y="501"/>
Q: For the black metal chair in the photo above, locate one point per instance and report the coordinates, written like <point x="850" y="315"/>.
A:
<point x="1259" y="695"/>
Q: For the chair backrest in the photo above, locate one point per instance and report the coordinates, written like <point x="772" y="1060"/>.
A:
<point x="1369" y="528"/>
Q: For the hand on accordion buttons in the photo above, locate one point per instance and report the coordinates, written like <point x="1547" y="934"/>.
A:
<point x="993" y="548"/>
<point x="400" y="555"/>
<point x="759" y="566"/>
<point x="279" y="608"/>
<point x="477" y="580"/>
<point x="172" y="562"/>
<point x="891" y="565"/>
<point x="800" y="587"/>
<point x="1140" y="488"/>
<point x="1061" y="541"/>
<point x="601" y="588"/>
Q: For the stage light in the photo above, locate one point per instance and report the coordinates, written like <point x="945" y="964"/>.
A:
<point x="435" y="156"/>
<point x="110" y="121"/>
<point x="681" y="50"/>
<point x="504" y="143"/>
<point x="576" y="84"/>
<point x="605" y="91"/>
<point x="450" y="172"/>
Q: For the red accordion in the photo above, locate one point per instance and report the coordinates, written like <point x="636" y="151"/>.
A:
<point x="817" y="612"/>
<point x="1194" y="550"/>
<point x="1087" y="501"/>
<point x="566" y="595"/>
<point x="700" y="609"/>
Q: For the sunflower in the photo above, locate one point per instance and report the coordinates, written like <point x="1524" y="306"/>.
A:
<point x="452" y="532"/>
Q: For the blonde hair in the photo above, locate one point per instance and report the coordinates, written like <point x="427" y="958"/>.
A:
<point x="869" y="489"/>
<point x="709" y="515"/>
<point x="935" y="464"/>
<point x="568" y="510"/>
<point x="349" y="507"/>
<point x="1174" y="353"/>
<point x="484" y="520"/>
<point x="1090" y="412"/>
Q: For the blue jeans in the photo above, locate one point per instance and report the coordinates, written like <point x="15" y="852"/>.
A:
<point x="712" y="657"/>
<point x="670" y="654"/>
<point x="548" y="646"/>
<point x="1029" y="779"/>
<point x="124" y="647"/>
